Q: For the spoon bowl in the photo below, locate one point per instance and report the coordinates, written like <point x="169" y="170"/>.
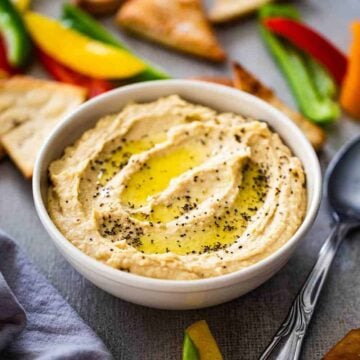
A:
<point x="342" y="181"/>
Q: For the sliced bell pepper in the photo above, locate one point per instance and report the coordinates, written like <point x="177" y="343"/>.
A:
<point x="61" y="73"/>
<point x="190" y="352"/>
<point x="295" y="66"/>
<point x="81" y="53"/>
<point x="311" y="42"/>
<point x="350" y="91"/>
<point x="204" y="342"/>
<point x="12" y="28"/>
<point x="6" y="69"/>
<point x="324" y="83"/>
<point x="22" y="5"/>
<point x="77" y="19"/>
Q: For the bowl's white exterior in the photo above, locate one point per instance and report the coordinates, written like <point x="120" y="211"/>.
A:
<point x="175" y="294"/>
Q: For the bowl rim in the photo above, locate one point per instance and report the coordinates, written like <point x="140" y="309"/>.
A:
<point x="172" y="285"/>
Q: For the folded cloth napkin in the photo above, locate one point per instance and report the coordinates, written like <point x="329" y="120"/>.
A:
<point x="35" y="321"/>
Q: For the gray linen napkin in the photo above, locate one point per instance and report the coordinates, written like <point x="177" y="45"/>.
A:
<point x="35" y="321"/>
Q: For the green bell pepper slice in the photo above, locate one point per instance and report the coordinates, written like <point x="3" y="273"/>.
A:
<point x="12" y="28"/>
<point x="311" y="85"/>
<point x="324" y="82"/>
<point x="190" y="352"/>
<point x="77" y="19"/>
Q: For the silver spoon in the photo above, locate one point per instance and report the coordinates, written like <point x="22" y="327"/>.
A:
<point x="342" y="191"/>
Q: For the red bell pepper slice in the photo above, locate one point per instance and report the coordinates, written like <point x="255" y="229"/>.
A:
<point x="311" y="42"/>
<point x="63" y="74"/>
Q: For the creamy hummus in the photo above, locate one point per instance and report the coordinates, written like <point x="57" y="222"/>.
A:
<point x="174" y="190"/>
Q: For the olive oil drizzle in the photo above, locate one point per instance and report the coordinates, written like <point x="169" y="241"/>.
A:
<point x="218" y="231"/>
<point x="155" y="175"/>
<point x="206" y="234"/>
<point x="120" y="156"/>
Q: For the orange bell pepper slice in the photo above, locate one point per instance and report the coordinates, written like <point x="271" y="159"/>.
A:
<point x="350" y="90"/>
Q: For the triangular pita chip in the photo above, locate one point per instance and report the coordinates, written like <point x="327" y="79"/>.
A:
<point x="180" y="24"/>
<point x="227" y="10"/>
<point x="245" y="81"/>
<point x="29" y="110"/>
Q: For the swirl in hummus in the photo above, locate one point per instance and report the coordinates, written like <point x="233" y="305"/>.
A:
<point x="174" y="190"/>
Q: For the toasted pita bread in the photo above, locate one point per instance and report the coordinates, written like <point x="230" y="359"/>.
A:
<point x="347" y="348"/>
<point x="29" y="110"/>
<point x="244" y="80"/>
<point x="227" y="10"/>
<point x="180" y="24"/>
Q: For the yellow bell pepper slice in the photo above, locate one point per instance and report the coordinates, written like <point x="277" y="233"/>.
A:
<point x="80" y="53"/>
<point x="204" y="341"/>
<point x="21" y="5"/>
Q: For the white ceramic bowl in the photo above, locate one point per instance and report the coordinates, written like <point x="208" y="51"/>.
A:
<point x="175" y="294"/>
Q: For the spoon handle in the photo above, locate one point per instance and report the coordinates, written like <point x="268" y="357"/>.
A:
<point x="286" y="344"/>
